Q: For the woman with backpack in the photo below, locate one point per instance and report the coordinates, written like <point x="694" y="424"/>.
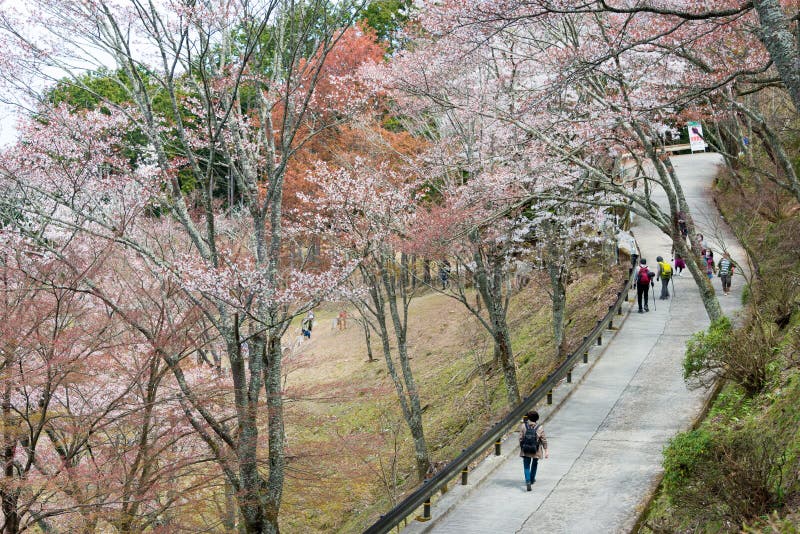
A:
<point x="532" y="446"/>
<point x="644" y="277"/>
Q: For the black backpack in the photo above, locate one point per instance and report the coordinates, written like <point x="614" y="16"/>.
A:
<point x="530" y="441"/>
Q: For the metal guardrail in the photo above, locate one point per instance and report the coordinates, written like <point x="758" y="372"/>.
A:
<point x="460" y="465"/>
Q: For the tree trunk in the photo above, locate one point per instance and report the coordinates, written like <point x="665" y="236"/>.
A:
<point x="672" y="187"/>
<point x="368" y="339"/>
<point x="776" y="34"/>
<point x="400" y="329"/>
<point x="490" y="289"/>
<point x="707" y="293"/>
<point x="381" y="293"/>
<point x="413" y="272"/>
<point x="229" y="519"/>
<point x="277" y="446"/>
<point x="258" y="500"/>
<point x="8" y="493"/>
<point x="250" y="496"/>
<point x="503" y="352"/>
<point x="559" y="298"/>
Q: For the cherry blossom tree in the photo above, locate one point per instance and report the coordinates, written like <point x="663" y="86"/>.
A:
<point x="481" y="256"/>
<point x="483" y="99"/>
<point x="219" y="90"/>
<point x="364" y="214"/>
<point x="91" y="440"/>
<point x="722" y="52"/>
<point x="577" y="91"/>
<point x="553" y="240"/>
<point x="769" y="23"/>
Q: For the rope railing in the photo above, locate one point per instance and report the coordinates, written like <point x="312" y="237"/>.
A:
<point x="460" y="465"/>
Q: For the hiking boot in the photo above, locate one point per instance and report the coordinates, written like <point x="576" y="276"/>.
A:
<point x="641" y="310"/>
<point x="646" y="309"/>
<point x="528" y="486"/>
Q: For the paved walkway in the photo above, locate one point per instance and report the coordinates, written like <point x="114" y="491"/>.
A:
<point x="607" y="435"/>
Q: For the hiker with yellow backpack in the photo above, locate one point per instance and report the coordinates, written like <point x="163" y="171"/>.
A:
<point x="665" y="275"/>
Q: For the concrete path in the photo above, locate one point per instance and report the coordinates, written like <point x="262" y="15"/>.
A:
<point x="607" y="435"/>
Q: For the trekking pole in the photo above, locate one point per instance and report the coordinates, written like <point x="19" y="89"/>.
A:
<point x="653" y="287"/>
<point x="673" y="286"/>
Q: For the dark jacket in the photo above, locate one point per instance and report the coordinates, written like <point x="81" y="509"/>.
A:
<point x="542" y="441"/>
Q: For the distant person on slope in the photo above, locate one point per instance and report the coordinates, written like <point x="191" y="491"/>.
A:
<point x="725" y="272"/>
<point x="532" y="446"/>
<point x="644" y="277"/>
<point x="307" y="324"/>
<point x="664" y="274"/>
<point x="444" y="274"/>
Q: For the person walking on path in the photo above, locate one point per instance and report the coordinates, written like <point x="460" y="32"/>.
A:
<point x="532" y="446"/>
<point x="702" y="244"/>
<point x="709" y="257"/>
<point x="664" y="274"/>
<point x="725" y="272"/>
<point x="680" y="264"/>
<point x="684" y="230"/>
<point x="644" y="277"/>
<point x="633" y="248"/>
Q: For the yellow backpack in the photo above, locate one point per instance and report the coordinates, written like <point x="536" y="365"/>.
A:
<point x="666" y="269"/>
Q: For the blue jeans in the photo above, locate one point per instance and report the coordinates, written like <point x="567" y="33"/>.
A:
<point x="529" y="466"/>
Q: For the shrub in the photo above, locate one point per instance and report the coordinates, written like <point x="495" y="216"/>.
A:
<point x="726" y="478"/>
<point x="744" y="355"/>
<point x="751" y="482"/>
<point x="705" y="347"/>
<point x="682" y="457"/>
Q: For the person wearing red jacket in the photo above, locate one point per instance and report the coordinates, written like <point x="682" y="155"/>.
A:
<point x="644" y="278"/>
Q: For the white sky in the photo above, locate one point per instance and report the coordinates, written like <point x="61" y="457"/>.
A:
<point x="8" y="121"/>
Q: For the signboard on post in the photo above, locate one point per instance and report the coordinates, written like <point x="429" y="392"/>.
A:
<point x="696" y="141"/>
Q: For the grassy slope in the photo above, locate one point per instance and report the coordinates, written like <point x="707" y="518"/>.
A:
<point x="768" y="223"/>
<point x="338" y="473"/>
